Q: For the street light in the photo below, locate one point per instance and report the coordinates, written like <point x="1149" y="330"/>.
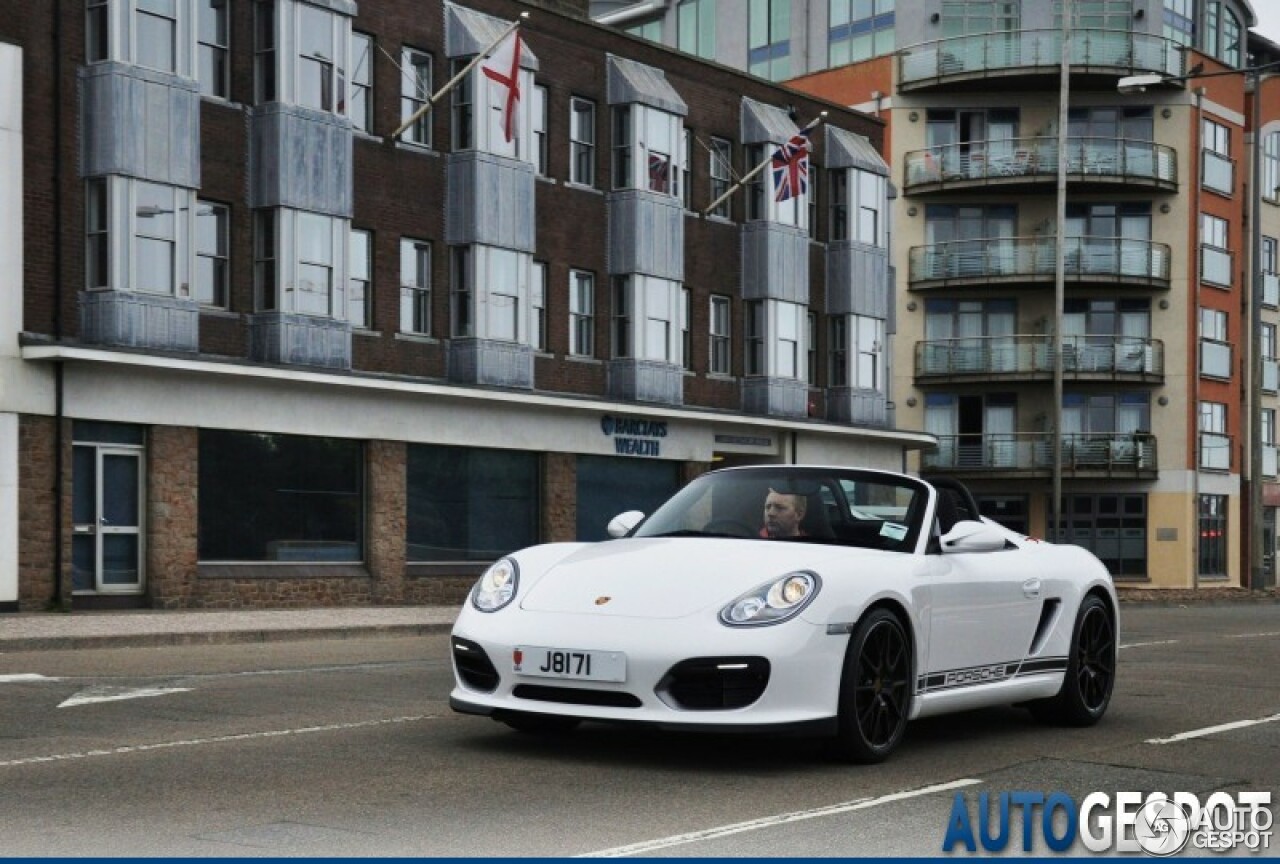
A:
<point x="1139" y="84"/>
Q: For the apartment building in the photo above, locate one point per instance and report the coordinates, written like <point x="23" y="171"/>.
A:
<point x="1165" y="428"/>
<point x="260" y="351"/>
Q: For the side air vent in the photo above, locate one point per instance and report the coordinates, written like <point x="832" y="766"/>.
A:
<point x="1048" y="614"/>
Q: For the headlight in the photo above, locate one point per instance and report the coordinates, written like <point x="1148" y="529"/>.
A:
<point x="497" y="586"/>
<point x="772" y="602"/>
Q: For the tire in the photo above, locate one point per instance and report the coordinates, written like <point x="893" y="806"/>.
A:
<point x="1091" y="670"/>
<point x="875" y="689"/>
<point x="540" y="724"/>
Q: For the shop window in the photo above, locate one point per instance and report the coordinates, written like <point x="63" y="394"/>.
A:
<point x="609" y="485"/>
<point x="470" y="504"/>
<point x="280" y="498"/>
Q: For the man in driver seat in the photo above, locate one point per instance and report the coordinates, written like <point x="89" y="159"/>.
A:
<point x="783" y="514"/>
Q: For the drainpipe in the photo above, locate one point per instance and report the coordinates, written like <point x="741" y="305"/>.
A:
<point x="1197" y="452"/>
<point x="56" y="599"/>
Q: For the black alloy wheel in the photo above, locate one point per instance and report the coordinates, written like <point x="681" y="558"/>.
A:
<point x="875" y="689"/>
<point x="1091" y="670"/>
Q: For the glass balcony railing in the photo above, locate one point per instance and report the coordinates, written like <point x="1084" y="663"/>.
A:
<point x="1215" y="451"/>
<point x="1215" y="358"/>
<point x="1217" y="172"/>
<point x="1270" y="460"/>
<point x="1033" y="258"/>
<point x="1088" y="453"/>
<point x="1088" y="158"/>
<point x="1270" y="289"/>
<point x="1010" y="51"/>
<point x="1215" y="266"/>
<point x="1109" y="356"/>
<point x="1270" y="374"/>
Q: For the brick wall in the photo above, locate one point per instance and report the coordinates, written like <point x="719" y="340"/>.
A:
<point x="36" y="511"/>
<point x="172" y="498"/>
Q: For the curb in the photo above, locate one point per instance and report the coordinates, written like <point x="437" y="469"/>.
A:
<point x="220" y="637"/>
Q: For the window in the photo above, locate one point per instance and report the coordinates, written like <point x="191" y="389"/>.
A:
<point x="362" y="56"/>
<point x="538" y="303"/>
<point x="322" y="47"/>
<point x="214" y="70"/>
<point x="582" y="141"/>
<point x="685" y="180"/>
<point x="460" y="98"/>
<point x="871" y="203"/>
<point x="868" y="345"/>
<point x="212" y="267"/>
<point x="97" y="236"/>
<point x="604" y="482"/>
<point x="686" y="330"/>
<point x="1271" y="166"/>
<point x="264" y="259"/>
<point x="1268" y="342"/>
<point x="651" y="29"/>
<point x="1213" y="535"/>
<point x="721" y="173"/>
<point x="159" y="265"/>
<point x="761" y="203"/>
<point x="415" y="90"/>
<point x="756" y="205"/>
<point x="755" y="327"/>
<point x="359" y="277"/>
<point x="621" y="329"/>
<point x="811" y="358"/>
<point x="1213" y="231"/>
<point x="265" y="497"/>
<point x="540" y="98"/>
<point x="696" y="27"/>
<point x="838" y="220"/>
<point x="581" y="313"/>
<point x="1270" y="261"/>
<point x="264" y="51"/>
<point x="1215" y="257"/>
<point x="838" y="351"/>
<point x="622" y="147"/>
<point x="1213" y="417"/>
<point x="1268" y="419"/>
<point x="315" y="265"/>
<point x="858" y="30"/>
<point x="97" y="30"/>
<point x="156" y="34"/>
<point x="787" y="343"/>
<point x="469" y="504"/>
<point x="1215" y="444"/>
<point x="769" y="39"/>
<point x="720" y="307"/>
<point x="1218" y="170"/>
<point x="463" y="325"/>
<point x="973" y="17"/>
<point x="1179" y="21"/>
<point x="502" y="301"/>
<point x="1215" y="347"/>
<point x="1112" y="527"/>
<point x="646" y="149"/>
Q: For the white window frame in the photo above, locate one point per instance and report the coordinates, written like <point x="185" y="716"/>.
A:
<point x="653" y="139"/>
<point x="720" y="170"/>
<point x="359" y="277"/>
<point x="364" y="49"/>
<point x="762" y="205"/>
<point x="292" y="229"/>
<point x="415" y="286"/>
<point x="868" y="352"/>
<point x="582" y="313"/>
<point x="538" y="306"/>
<point x="218" y="256"/>
<point x="415" y="90"/>
<point x="170" y="11"/>
<point x="208" y="44"/>
<point x="491" y="298"/>
<point x="582" y="141"/>
<point x="721" y="329"/>
<point x="144" y="227"/>
<point x="541" y="101"/>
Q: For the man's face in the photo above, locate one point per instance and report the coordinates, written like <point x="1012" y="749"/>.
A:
<point x="782" y="514"/>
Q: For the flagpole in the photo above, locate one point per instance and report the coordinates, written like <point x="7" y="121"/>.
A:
<point x="746" y="178"/>
<point x="453" y="82"/>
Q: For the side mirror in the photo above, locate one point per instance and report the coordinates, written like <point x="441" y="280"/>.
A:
<point x="621" y="525"/>
<point x="972" y="536"/>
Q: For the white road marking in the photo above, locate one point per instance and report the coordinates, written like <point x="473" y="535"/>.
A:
<point x="104" y="693"/>
<point x="1213" y="730"/>
<point x="220" y="739"/>
<point x="1146" y="644"/>
<point x="23" y="676"/>
<point x="769" y="821"/>
<point x="1253" y="635"/>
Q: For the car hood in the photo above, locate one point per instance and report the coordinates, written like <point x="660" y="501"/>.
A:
<point x="668" y="577"/>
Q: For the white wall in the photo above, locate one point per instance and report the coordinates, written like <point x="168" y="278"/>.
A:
<point x="11" y="226"/>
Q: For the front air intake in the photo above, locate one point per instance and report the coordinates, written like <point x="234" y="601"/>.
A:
<point x="714" y="683"/>
<point x="474" y="667"/>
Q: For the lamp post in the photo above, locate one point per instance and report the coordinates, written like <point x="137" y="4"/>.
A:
<point x="1136" y="84"/>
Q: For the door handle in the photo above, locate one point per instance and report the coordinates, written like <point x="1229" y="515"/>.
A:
<point x="1031" y="588"/>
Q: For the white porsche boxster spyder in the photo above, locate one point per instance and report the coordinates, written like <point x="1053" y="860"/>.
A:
<point x="776" y="598"/>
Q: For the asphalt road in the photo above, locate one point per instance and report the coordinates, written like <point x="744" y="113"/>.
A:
<point x="348" y="747"/>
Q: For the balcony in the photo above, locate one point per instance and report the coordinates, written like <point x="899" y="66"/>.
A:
<point x="1215" y="266"/>
<point x="1111" y="260"/>
<point x="1090" y="455"/>
<point x="1270" y="289"/>
<point x="1217" y="173"/>
<point x="1024" y="56"/>
<point x="1030" y="357"/>
<point x="1215" y="358"/>
<point x="1093" y="162"/>
<point x="1270" y="374"/>
<point x="1215" y="451"/>
<point x="1270" y="460"/>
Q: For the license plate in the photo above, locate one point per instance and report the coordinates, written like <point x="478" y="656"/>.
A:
<point x="540" y="662"/>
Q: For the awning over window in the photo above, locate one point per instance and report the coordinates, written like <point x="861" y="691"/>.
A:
<point x="468" y="32"/>
<point x="763" y="123"/>
<point x="850" y="150"/>
<point x="630" y="82"/>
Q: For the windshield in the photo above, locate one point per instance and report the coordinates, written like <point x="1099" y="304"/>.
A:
<point x="782" y="503"/>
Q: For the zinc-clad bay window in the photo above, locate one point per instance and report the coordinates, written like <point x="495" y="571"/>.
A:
<point x="280" y="498"/>
<point x="470" y="504"/>
<point x="300" y="263"/>
<point x="316" y="260"/>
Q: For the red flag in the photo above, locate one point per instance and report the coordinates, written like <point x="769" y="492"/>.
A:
<point x="502" y="68"/>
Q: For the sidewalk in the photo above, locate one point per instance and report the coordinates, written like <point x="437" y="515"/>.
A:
<point x="51" y="631"/>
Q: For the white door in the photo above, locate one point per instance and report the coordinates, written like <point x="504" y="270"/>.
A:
<point x="106" y="543"/>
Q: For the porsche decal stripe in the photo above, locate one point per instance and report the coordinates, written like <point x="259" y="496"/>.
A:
<point x="973" y="676"/>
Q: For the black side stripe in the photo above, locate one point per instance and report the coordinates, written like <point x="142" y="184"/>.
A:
<point x="974" y="676"/>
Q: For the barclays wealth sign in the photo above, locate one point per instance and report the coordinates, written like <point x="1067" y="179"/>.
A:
<point x="634" y="437"/>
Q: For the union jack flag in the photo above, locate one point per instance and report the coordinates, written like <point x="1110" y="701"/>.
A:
<point x="791" y="167"/>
